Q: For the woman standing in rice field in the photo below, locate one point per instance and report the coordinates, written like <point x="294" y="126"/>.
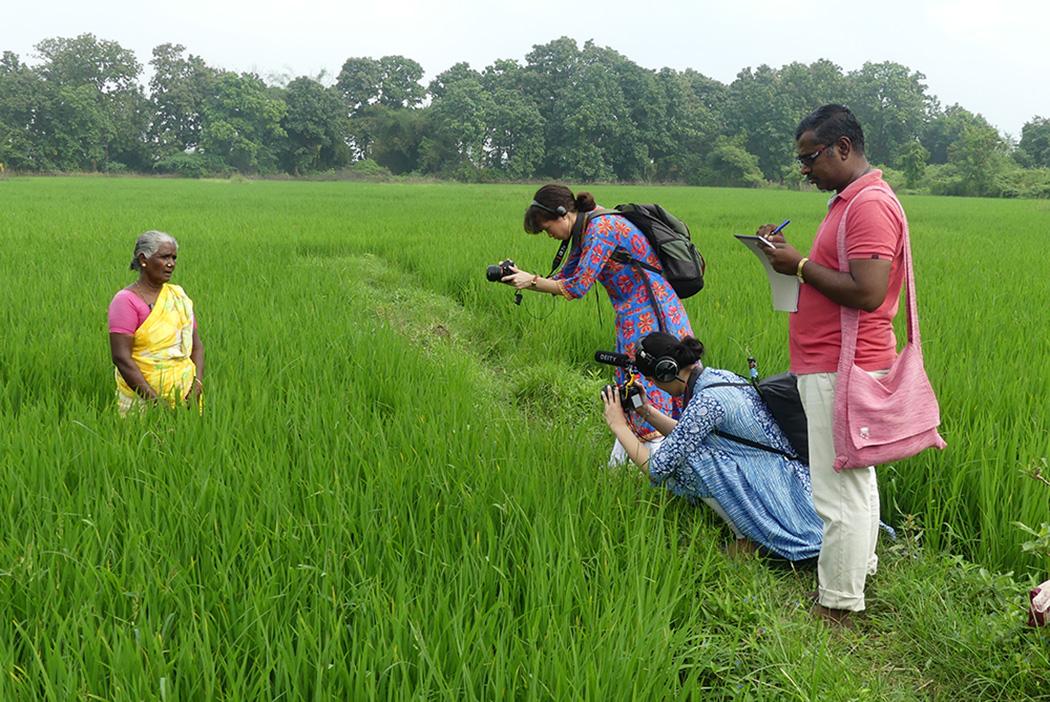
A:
<point x="153" y="337"/>
<point x="594" y="237"/>
<point x="712" y="453"/>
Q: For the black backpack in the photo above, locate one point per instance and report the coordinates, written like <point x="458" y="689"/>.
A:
<point x="683" y="266"/>
<point x="780" y="395"/>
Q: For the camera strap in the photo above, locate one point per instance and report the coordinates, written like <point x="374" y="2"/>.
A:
<point x="690" y="388"/>
<point x="619" y="255"/>
<point x="574" y="239"/>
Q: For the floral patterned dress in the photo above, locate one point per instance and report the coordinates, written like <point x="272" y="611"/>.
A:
<point x="635" y="317"/>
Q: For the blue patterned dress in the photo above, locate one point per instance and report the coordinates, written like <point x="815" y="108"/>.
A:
<point x="635" y="316"/>
<point x="767" y="497"/>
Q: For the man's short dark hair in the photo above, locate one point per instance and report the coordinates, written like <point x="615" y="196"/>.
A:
<point x="830" y="123"/>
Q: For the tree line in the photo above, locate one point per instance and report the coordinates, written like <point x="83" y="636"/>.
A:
<point x="568" y="112"/>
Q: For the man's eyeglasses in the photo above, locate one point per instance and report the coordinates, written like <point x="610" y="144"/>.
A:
<point x="807" y="161"/>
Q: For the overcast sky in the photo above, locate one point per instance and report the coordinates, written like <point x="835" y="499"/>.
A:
<point x="990" y="57"/>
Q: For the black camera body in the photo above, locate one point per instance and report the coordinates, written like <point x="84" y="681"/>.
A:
<point x="630" y="394"/>
<point x="499" y="271"/>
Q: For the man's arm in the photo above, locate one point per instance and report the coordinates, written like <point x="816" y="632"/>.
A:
<point x="863" y="287"/>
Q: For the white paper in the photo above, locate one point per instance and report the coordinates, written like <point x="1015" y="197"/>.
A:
<point x="784" y="288"/>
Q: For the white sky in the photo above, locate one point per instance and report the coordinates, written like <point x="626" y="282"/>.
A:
<point x="991" y="57"/>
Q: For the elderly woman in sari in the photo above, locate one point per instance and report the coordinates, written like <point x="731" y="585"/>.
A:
<point x="153" y="336"/>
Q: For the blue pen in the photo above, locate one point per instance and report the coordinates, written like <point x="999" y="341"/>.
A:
<point x="782" y="225"/>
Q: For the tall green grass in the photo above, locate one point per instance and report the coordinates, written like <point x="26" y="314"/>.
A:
<point x="397" y="489"/>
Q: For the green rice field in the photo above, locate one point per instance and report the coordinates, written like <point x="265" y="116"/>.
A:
<point x="398" y="487"/>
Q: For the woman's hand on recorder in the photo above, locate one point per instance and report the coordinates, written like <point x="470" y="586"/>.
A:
<point x="646" y="407"/>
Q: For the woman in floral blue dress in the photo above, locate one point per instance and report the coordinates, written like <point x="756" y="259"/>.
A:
<point x="764" y="495"/>
<point x="594" y="236"/>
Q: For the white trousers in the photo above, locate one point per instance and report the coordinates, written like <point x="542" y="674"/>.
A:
<point x="619" y="456"/>
<point x="847" y="502"/>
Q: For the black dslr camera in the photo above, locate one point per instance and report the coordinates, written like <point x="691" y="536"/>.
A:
<point x="630" y="392"/>
<point x="499" y="271"/>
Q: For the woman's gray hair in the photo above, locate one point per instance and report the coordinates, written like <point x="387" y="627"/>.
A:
<point x="148" y="243"/>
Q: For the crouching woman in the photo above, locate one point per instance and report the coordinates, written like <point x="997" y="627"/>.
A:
<point x="153" y="338"/>
<point x="764" y="496"/>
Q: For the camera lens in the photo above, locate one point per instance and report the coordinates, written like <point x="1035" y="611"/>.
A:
<point x="494" y="273"/>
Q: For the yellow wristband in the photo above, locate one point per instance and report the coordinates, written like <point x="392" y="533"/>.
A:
<point x="798" y="271"/>
<point x="532" y="283"/>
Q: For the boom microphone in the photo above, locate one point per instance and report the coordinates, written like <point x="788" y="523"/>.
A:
<point x="613" y="359"/>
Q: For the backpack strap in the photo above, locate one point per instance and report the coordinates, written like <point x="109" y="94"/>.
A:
<point x="620" y="255"/>
<point x="754" y="444"/>
<point x="740" y="439"/>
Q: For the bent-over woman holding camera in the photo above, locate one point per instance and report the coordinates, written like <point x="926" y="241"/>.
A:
<point x="594" y="237"/>
<point x="156" y="348"/>
<point x="764" y="496"/>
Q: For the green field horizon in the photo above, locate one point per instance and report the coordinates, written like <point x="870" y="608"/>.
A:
<point x="397" y="489"/>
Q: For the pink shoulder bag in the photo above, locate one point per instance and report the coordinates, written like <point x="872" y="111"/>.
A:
<point x="881" y="420"/>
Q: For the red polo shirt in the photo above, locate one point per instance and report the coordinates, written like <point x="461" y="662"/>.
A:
<point x="874" y="229"/>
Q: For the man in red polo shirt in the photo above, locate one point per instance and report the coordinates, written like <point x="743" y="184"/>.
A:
<point x="830" y="150"/>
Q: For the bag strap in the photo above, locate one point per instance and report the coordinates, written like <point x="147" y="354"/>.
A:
<point x="576" y="236"/>
<point x="734" y="437"/>
<point x="620" y="255"/>
<point x="850" y="316"/>
<point x="754" y="444"/>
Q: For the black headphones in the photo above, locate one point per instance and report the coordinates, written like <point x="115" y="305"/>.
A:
<point x="665" y="368"/>
<point x="559" y="210"/>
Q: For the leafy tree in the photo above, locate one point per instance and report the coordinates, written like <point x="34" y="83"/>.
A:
<point x="980" y="159"/>
<point x="713" y="95"/>
<point x="179" y="89"/>
<point x="1034" y="146"/>
<point x="891" y="103"/>
<point x="98" y="79"/>
<point x="946" y="127"/>
<point x="506" y="74"/>
<point x="20" y="93"/>
<point x="459" y="72"/>
<point x="73" y="128"/>
<point x="457" y="127"/>
<point x="729" y="163"/>
<point x="548" y="80"/>
<point x="242" y="124"/>
<point x="85" y="60"/>
<point x="590" y="134"/>
<point x="316" y="126"/>
<point x="392" y="81"/>
<point x="360" y="82"/>
<point x="399" y="85"/>
<point x="756" y="109"/>
<point x="766" y="105"/>
<point x="691" y="126"/>
<point x="912" y="161"/>
<point x="392" y="137"/>
<point x="514" y="132"/>
<point x="588" y="126"/>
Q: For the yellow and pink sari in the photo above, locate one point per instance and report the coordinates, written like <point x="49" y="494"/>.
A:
<point x="161" y="349"/>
